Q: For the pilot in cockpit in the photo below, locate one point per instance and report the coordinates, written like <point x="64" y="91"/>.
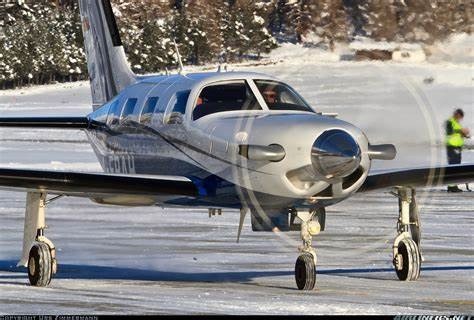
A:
<point x="199" y="101"/>
<point x="270" y="96"/>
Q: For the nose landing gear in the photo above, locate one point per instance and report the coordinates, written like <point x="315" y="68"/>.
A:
<point x="305" y="267"/>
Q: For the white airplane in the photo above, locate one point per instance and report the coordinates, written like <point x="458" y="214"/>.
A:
<point x="215" y="140"/>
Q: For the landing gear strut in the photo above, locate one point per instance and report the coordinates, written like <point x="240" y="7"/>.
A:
<point x="39" y="253"/>
<point x="305" y="267"/>
<point x="407" y="256"/>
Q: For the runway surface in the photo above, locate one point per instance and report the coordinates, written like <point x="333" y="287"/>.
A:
<point x="149" y="260"/>
<point x="153" y="260"/>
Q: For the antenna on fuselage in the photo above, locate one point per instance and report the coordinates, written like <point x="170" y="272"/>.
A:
<point x="179" y="56"/>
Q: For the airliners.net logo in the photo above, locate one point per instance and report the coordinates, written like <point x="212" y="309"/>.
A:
<point x="434" y="317"/>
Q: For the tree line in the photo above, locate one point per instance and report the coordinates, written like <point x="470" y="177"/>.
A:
<point x="41" y="40"/>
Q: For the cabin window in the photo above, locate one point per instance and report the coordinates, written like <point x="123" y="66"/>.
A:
<point x="228" y="96"/>
<point x="148" y="108"/>
<point x="114" y="111"/>
<point x="280" y="96"/>
<point x="179" y="101"/>
<point x="128" y="108"/>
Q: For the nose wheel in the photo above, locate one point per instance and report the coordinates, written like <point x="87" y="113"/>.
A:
<point x="305" y="272"/>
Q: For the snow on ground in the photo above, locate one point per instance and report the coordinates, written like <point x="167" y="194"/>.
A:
<point x="64" y="99"/>
<point x="146" y="260"/>
<point x="458" y="48"/>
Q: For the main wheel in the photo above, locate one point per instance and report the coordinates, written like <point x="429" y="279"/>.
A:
<point x="409" y="259"/>
<point x="40" y="265"/>
<point x="305" y="272"/>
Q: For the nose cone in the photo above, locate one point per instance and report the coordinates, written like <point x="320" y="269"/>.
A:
<point x="335" y="154"/>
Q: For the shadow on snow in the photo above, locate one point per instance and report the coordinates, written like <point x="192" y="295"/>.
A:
<point x="69" y="271"/>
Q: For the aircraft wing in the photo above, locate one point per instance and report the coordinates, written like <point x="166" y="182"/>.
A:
<point x="46" y="122"/>
<point x="95" y="184"/>
<point x="429" y="176"/>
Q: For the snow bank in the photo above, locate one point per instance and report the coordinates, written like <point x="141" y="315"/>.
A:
<point x="404" y="55"/>
<point x="456" y="49"/>
<point x="362" y="43"/>
<point x="305" y="53"/>
<point x="298" y="53"/>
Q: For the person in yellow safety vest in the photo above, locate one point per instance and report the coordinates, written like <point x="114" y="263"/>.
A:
<point x="455" y="135"/>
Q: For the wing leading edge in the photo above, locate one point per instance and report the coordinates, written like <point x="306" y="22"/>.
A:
<point x="95" y="184"/>
<point x="46" y="122"/>
<point x="430" y="176"/>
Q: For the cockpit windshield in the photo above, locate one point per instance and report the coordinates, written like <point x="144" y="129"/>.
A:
<point x="279" y="96"/>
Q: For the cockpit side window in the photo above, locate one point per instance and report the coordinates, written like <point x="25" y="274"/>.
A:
<point x="280" y="96"/>
<point x="147" y="111"/>
<point x="228" y="96"/>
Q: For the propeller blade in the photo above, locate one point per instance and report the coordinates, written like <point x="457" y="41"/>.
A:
<point x="243" y="213"/>
<point x="273" y="152"/>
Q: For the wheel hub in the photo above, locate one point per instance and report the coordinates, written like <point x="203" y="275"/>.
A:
<point x="398" y="262"/>
<point x="32" y="266"/>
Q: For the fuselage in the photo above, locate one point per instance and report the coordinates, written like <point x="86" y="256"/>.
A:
<point x="243" y="138"/>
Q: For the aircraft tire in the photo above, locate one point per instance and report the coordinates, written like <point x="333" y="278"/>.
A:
<point x="411" y="260"/>
<point x="40" y="265"/>
<point x="305" y="272"/>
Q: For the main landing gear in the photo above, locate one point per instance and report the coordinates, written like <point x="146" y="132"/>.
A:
<point x="407" y="256"/>
<point x="305" y="267"/>
<point x="39" y="253"/>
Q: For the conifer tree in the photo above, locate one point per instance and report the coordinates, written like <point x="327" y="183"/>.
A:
<point x="301" y="16"/>
<point x="201" y="27"/>
<point x="254" y="36"/>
